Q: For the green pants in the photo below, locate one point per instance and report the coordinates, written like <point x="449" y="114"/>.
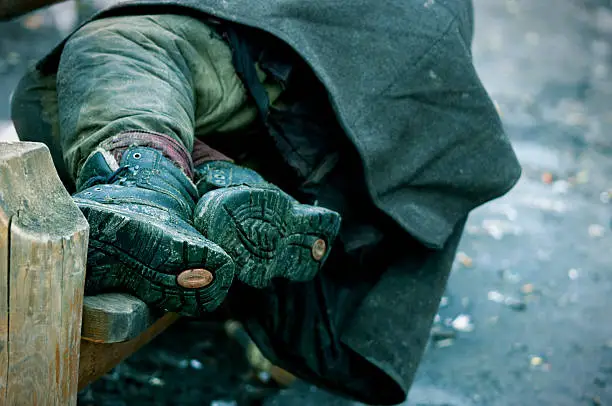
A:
<point x="166" y="74"/>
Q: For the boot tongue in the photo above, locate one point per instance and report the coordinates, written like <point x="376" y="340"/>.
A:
<point x="96" y="166"/>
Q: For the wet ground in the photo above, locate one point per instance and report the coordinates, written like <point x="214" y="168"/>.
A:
<point x="528" y="316"/>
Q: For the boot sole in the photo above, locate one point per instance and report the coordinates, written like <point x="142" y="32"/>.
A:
<point x="267" y="234"/>
<point x="143" y="255"/>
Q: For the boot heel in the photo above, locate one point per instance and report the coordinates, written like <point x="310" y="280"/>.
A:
<point x="267" y="234"/>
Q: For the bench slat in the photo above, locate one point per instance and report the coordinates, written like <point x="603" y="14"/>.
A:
<point x="114" y="318"/>
<point x="97" y="359"/>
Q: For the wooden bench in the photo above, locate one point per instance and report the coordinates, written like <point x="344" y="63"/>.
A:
<point x="53" y="340"/>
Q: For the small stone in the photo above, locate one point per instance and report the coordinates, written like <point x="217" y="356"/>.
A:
<point x="518" y="347"/>
<point x="596" y="401"/>
<point x="464" y="259"/>
<point x="494" y="228"/>
<point x="544" y="255"/>
<point x="582" y="177"/>
<point x="573" y="274"/>
<point x="510" y="276"/>
<point x="445" y="343"/>
<point x="575" y="118"/>
<point x="264" y="376"/>
<point x="536" y="361"/>
<point x="473" y="230"/>
<point x="439" y="333"/>
<point x="547" y="178"/>
<point x="498" y="229"/>
<point x="34" y="21"/>
<point x="609" y="344"/>
<point x="599" y="382"/>
<point x="463" y="323"/>
<point x="155" y="381"/>
<point x="546" y="204"/>
<point x="444" y="302"/>
<point x="195" y="364"/>
<point x="596" y="230"/>
<point x="527" y="289"/>
<point x="13" y="58"/>
<point x="223" y="403"/>
<point x="560" y="187"/>
<point x="515" y="304"/>
<point x="606" y="196"/>
<point x="506" y="210"/>
<point x="496" y="297"/>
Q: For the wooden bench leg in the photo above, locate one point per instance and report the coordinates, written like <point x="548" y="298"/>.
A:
<point x="43" y="248"/>
<point x="54" y="341"/>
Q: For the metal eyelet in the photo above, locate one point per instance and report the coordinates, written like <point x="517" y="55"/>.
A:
<point x="137" y="155"/>
<point x="98" y="189"/>
<point x="88" y="193"/>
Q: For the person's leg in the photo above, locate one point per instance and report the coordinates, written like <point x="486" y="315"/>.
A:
<point x="127" y="113"/>
<point x="132" y="91"/>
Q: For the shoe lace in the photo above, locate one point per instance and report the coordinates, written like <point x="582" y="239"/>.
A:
<point x="107" y="179"/>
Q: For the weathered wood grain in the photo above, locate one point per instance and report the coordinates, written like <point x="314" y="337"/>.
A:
<point x="97" y="359"/>
<point x="114" y="318"/>
<point x="44" y="251"/>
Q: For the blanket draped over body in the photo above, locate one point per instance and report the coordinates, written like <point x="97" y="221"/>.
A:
<point x="406" y="142"/>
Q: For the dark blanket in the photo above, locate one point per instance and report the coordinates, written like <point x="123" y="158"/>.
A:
<point x="400" y="78"/>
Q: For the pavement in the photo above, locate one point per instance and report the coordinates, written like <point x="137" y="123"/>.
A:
<point x="527" y="319"/>
<point x="545" y="244"/>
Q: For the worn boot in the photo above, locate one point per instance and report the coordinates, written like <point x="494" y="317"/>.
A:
<point x="142" y="240"/>
<point x="267" y="233"/>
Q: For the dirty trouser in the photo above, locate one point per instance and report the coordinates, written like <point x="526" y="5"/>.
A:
<point x="165" y="74"/>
